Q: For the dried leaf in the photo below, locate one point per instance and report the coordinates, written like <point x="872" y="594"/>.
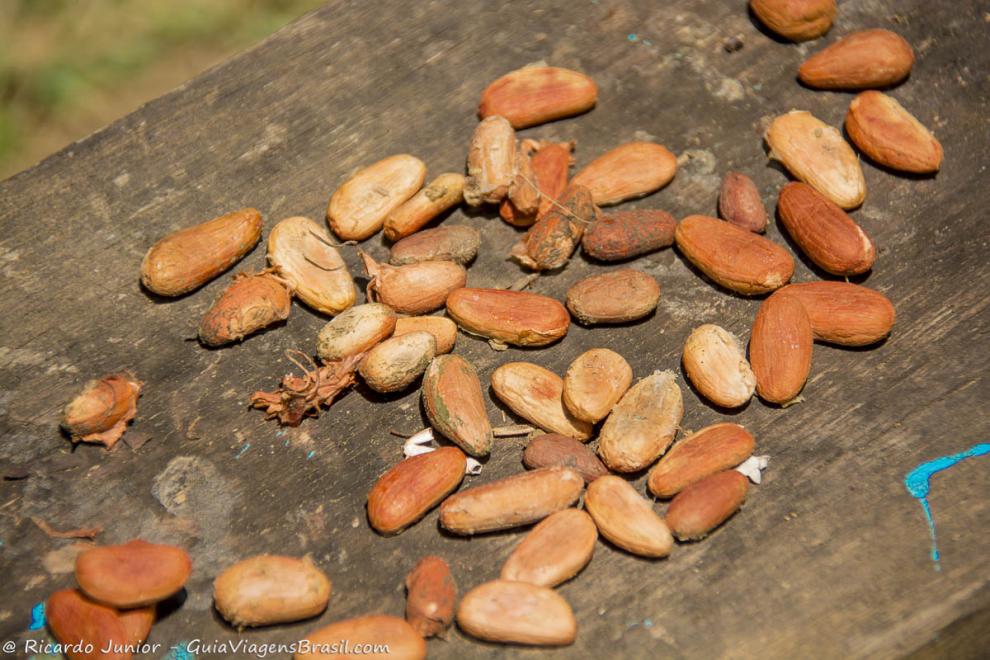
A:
<point x="301" y="396"/>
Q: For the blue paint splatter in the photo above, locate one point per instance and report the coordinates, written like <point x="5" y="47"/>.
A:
<point x="37" y="617"/>
<point x="311" y="454"/>
<point x="244" y="448"/>
<point x="633" y="37"/>
<point x="918" y="484"/>
<point x="180" y="652"/>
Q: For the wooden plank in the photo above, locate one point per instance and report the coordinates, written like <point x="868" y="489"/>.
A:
<point x="829" y="556"/>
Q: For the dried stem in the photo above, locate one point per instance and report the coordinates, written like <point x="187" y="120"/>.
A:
<point x="83" y="533"/>
<point x="512" y="430"/>
<point x="566" y="211"/>
<point x="330" y="243"/>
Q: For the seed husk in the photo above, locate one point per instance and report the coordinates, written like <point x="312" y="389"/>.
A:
<point x="134" y="574"/>
<point x="622" y="235"/>
<point x="537" y="94"/>
<point x="511" y="502"/>
<point x="703" y="453"/>
<point x="358" y="208"/>
<point x="431" y="595"/>
<point x="706" y="504"/>
<point x="643" y="424"/>
<point x="843" y="313"/>
<point x="523" y="199"/>
<point x="371" y="630"/>
<point x="715" y="361"/>
<point x="102" y="411"/>
<point x="536" y="395"/>
<point x="191" y="257"/>
<point x="491" y="162"/>
<point x="76" y="620"/>
<point x="265" y="589"/>
<point x="626" y="518"/>
<point x="618" y="296"/>
<point x="554" y="551"/>
<point x="594" y="383"/>
<point x="396" y="363"/>
<point x="251" y="303"/>
<point x="305" y="257"/>
<point x="455" y="404"/>
<point x="549" y="243"/>
<point x="631" y="170"/>
<point x="555" y="450"/>
<point x="519" y="318"/>
<point x="355" y="331"/>
<point x="300" y="396"/>
<point x="458" y="243"/>
<point x="732" y="257"/>
<point x="550" y="167"/>
<point x="517" y="613"/>
<point x="413" y="487"/>
<point x="739" y="202"/>
<point x="413" y="289"/>
<point x="817" y="154"/>
<point x="780" y="349"/>
<point x="443" y="330"/>
<point x="441" y="194"/>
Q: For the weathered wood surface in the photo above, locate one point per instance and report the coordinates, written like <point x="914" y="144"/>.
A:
<point x="830" y="556"/>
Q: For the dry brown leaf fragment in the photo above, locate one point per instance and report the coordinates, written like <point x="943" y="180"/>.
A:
<point x="301" y="396"/>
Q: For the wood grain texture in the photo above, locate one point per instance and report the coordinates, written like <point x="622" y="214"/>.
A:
<point x="830" y="553"/>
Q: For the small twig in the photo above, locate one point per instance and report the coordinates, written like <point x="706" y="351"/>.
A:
<point x="512" y="430"/>
<point x="330" y="243"/>
<point x="400" y="434"/>
<point x="523" y="282"/>
<point x="569" y="213"/>
<point x="300" y="365"/>
<point x="83" y="533"/>
<point x="312" y="376"/>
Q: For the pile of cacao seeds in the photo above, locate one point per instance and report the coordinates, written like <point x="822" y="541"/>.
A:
<point x="392" y="343"/>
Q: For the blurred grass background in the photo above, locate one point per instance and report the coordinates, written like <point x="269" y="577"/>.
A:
<point x="69" y="67"/>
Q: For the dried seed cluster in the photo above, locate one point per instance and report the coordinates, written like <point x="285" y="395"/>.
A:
<point x="598" y="418"/>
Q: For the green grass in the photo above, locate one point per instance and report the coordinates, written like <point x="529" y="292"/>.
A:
<point x="69" y="66"/>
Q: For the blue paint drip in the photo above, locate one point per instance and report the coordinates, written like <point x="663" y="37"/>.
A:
<point x="179" y="652"/>
<point x="633" y="37"/>
<point x="37" y="617"/>
<point x="918" y="484"/>
<point x="244" y="448"/>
